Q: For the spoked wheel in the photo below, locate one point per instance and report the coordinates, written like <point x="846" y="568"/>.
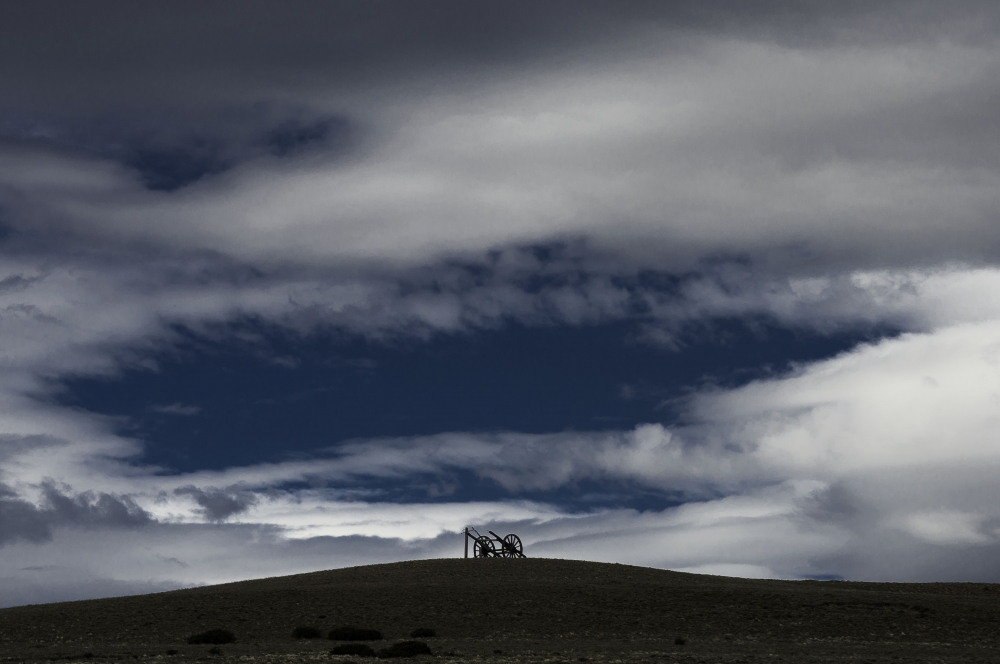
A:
<point x="483" y="548"/>
<point x="512" y="547"/>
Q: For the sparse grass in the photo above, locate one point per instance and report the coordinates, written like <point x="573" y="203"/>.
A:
<point x="629" y="611"/>
<point x="405" y="649"/>
<point x="422" y="633"/>
<point x="354" y="634"/>
<point x="212" y="636"/>
<point x="306" y="632"/>
<point x="358" y="649"/>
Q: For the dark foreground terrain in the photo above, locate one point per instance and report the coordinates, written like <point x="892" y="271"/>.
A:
<point x="508" y="610"/>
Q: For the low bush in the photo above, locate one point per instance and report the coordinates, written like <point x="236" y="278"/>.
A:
<point x="405" y="649"/>
<point x="355" y="634"/>
<point x="212" y="636"/>
<point x="422" y="633"/>
<point x="680" y="641"/>
<point x="359" y="649"/>
<point x="216" y="650"/>
<point x="304" y="632"/>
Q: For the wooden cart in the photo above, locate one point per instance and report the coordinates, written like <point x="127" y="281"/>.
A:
<point x="493" y="547"/>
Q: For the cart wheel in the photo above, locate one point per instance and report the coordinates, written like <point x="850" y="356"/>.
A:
<point x="512" y="543"/>
<point x="483" y="548"/>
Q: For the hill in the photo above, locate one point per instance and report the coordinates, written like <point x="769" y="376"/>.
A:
<point x="533" y="610"/>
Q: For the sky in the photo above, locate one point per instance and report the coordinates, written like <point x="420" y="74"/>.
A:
<point x="704" y="286"/>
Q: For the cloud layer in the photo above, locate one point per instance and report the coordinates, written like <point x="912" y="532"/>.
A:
<point x="845" y="145"/>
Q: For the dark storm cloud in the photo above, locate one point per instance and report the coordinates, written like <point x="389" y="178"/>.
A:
<point x="175" y="93"/>
<point x="802" y="154"/>
<point x="20" y="519"/>
<point x="23" y="520"/>
<point x="186" y="51"/>
<point x="83" y="47"/>
<point x="800" y="134"/>
<point x="168" y="151"/>
<point x="219" y="504"/>
<point x="92" y="509"/>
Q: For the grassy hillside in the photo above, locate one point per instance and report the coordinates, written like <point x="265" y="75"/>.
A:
<point x="528" y="610"/>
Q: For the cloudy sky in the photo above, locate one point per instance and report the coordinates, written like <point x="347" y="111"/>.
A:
<point x="707" y="286"/>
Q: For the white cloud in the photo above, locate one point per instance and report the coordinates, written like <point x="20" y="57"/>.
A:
<point x="918" y="399"/>
<point x="913" y="299"/>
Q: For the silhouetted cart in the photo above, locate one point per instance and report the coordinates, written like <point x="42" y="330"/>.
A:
<point x="493" y="547"/>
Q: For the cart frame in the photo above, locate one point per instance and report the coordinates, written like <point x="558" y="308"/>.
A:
<point x="493" y="547"/>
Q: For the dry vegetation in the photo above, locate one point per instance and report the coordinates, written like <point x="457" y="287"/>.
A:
<point x="503" y="610"/>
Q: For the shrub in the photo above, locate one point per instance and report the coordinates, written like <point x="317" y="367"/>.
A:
<point x="405" y="649"/>
<point x="172" y="651"/>
<point x="215" y="650"/>
<point x="355" y="634"/>
<point x="422" y="633"/>
<point x="212" y="636"/>
<point x="306" y="633"/>
<point x="359" y="649"/>
<point x="680" y="641"/>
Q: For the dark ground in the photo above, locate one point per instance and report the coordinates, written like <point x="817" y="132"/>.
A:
<point x="536" y="610"/>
